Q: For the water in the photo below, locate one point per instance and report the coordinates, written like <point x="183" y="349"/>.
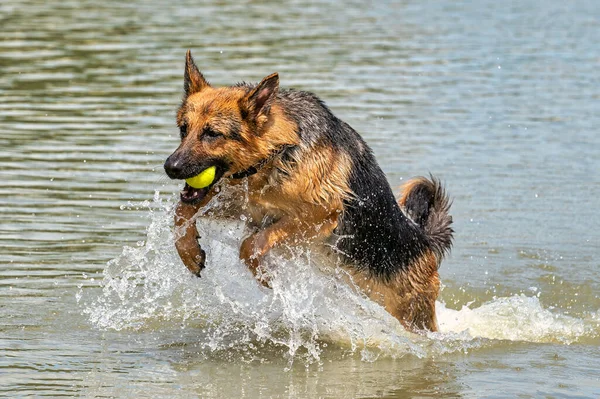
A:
<point x="499" y="100"/>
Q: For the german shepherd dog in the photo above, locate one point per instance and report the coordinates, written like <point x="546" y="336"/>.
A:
<point x="304" y="175"/>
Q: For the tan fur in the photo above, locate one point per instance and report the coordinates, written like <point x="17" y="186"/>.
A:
<point x="321" y="178"/>
<point x="410" y="296"/>
<point x="407" y="187"/>
<point x="217" y="108"/>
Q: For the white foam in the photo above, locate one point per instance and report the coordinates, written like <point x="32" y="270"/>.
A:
<point x="515" y="318"/>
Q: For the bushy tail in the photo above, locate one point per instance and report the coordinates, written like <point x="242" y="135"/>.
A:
<point x="426" y="203"/>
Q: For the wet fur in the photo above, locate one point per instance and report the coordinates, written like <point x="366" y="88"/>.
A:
<point x="316" y="180"/>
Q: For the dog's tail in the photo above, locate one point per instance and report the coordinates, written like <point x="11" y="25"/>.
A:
<point x="426" y="203"/>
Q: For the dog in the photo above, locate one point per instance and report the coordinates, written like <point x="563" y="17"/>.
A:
<point x="304" y="176"/>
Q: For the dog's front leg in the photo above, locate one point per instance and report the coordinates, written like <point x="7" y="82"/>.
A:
<point x="186" y="237"/>
<point x="287" y="230"/>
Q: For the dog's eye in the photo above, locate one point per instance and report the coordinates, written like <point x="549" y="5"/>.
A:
<point x="183" y="131"/>
<point x="208" y="132"/>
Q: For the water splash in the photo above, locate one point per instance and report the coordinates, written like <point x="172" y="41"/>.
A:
<point x="514" y="318"/>
<point x="309" y="307"/>
<point x="147" y="287"/>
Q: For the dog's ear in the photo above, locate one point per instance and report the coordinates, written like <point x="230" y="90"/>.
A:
<point x="193" y="81"/>
<point x="258" y="102"/>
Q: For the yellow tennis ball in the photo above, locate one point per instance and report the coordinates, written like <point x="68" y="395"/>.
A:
<point x="204" y="179"/>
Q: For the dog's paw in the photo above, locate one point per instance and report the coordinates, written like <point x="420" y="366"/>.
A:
<point x="192" y="256"/>
<point x="251" y="253"/>
<point x="263" y="278"/>
<point x="198" y="263"/>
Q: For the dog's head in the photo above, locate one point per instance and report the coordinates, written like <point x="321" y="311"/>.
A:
<point x="221" y="127"/>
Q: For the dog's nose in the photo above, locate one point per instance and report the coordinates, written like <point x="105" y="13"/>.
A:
<point x="173" y="167"/>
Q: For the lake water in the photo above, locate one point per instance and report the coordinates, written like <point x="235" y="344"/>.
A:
<point x="500" y="100"/>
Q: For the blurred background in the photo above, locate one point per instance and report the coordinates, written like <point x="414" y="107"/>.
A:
<point x="498" y="99"/>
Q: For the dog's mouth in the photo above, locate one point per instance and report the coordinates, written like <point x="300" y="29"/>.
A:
<point x="191" y="195"/>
